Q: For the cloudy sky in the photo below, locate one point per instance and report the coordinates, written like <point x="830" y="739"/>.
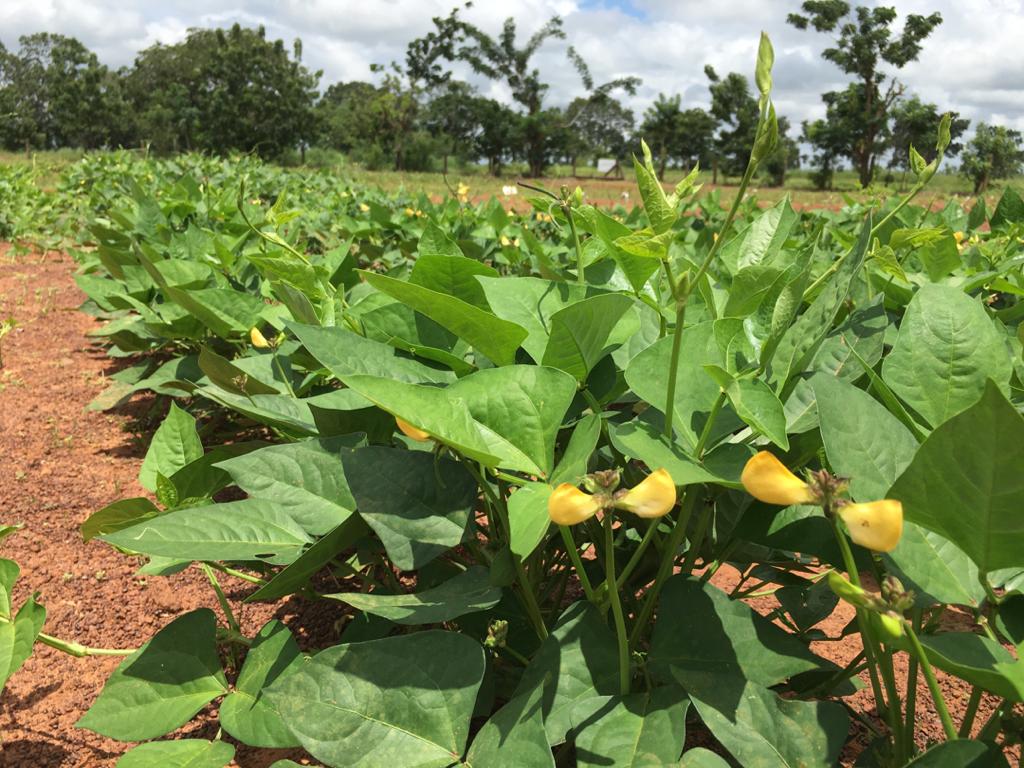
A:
<point x="973" y="63"/>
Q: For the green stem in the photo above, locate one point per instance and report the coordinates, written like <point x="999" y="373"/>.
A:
<point x="933" y="684"/>
<point x="567" y="210"/>
<point x="225" y="606"/>
<point x="668" y="558"/>
<point x="284" y="376"/>
<point x="911" y="711"/>
<point x="705" y="433"/>
<point x="78" y="650"/>
<point x="673" y="366"/>
<point x="698" y="539"/>
<point x="969" y="715"/>
<point x="238" y="574"/>
<point x="634" y="561"/>
<point x="613" y="595"/>
<point x="577" y="563"/>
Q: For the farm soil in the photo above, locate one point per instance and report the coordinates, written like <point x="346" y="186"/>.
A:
<point x="59" y="463"/>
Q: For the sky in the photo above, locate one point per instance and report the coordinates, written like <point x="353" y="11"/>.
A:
<point x="973" y="63"/>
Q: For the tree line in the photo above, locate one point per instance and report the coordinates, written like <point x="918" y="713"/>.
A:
<point x="225" y="90"/>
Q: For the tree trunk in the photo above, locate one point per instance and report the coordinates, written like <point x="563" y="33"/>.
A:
<point x="445" y="164"/>
<point x="714" y="170"/>
<point x="662" y="162"/>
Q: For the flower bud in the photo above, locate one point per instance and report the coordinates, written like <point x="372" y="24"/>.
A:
<point x="258" y="339"/>
<point x="848" y="591"/>
<point x="889" y="625"/>
<point x="568" y="505"/>
<point x="876" y="525"/>
<point x="767" y="479"/>
<point x="410" y="431"/>
<point x="653" y="497"/>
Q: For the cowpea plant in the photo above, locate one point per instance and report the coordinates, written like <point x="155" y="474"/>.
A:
<point x="517" y="474"/>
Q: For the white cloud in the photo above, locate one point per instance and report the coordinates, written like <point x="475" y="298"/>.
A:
<point x="971" y="63"/>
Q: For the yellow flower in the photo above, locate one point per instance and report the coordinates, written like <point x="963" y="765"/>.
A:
<point x="958" y="236"/>
<point x="410" y="431"/>
<point x="505" y="241"/>
<point x="767" y="479"/>
<point x="568" y="505"/>
<point x="410" y="212"/>
<point x="653" y="497"/>
<point x="258" y="339"/>
<point x="876" y="525"/>
<point x="462" y="192"/>
<point x="364" y="207"/>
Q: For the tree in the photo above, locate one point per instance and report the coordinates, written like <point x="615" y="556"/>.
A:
<point x="223" y="90"/>
<point x="828" y="140"/>
<point x="503" y="60"/>
<point x="865" y="41"/>
<point x="695" y="141"/>
<point x="913" y="125"/>
<point x="786" y="156"/>
<point x="343" y="120"/>
<point x="993" y="153"/>
<point x="736" y="113"/>
<point x="59" y="94"/>
<point x="660" y="128"/>
<point x="597" y="126"/>
<point x="500" y="133"/>
<point x="452" y="118"/>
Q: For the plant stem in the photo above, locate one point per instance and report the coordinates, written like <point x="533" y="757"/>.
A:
<point x="238" y="574"/>
<point x="577" y="563"/>
<point x="78" y="650"/>
<point x="634" y="561"/>
<point x="969" y="715"/>
<point x="705" y="433"/>
<point x="567" y="210"/>
<point x="698" y="539"/>
<point x="613" y="596"/>
<point x="225" y="606"/>
<point x="933" y="684"/>
<point x="668" y="558"/>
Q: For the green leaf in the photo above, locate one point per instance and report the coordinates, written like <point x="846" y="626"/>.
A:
<point x="576" y="458"/>
<point x="800" y="343"/>
<point x="469" y="592"/>
<point x="698" y="757"/>
<point x="497" y="339"/>
<point x="640" y="440"/>
<point x="226" y="312"/>
<point x="530" y="302"/>
<point x="17" y="638"/>
<point x="963" y="753"/>
<point x="306" y="479"/>
<point x="417" y="504"/>
<point x="245" y="713"/>
<point x="514" y="735"/>
<point x="528" y="518"/>
<point x="163" y="684"/>
<point x="344" y="353"/>
<point x="935" y="567"/>
<point x="435" y="242"/>
<point x="579" y="333"/>
<point x="452" y="275"/>
<point x="978" y="660"/>
<point x="863" y="441"/>
<point x="762" y="730"/>
<point x="183" y="753"/>
<point x="121" y="514"/>
<point x="656" y="205"/>
<point x="175" y="444"/>
<point x="765" y="61"/>
<point x="946" y="350"/>
<point x="635" y="731"/>
<point x="1009" y="209"/>
<point x="700" y="630"/>
<point x="862" y="333"/>
<point x="965" y="482"/>
<point x="577" y="661"/>
<point x="759" y="244"/>
<point x="398" y="701"/>
<point x="758" y="406"/>
<point x="251" y="529"/>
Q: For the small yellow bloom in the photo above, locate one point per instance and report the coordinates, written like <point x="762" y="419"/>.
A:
<point x="568" y="505"/>
<point x="463" y="192"/>
<point x="258" y="339"/>
<point x="410" y="431"/>
<point x="410" y="212"/>
<point x="364" y="207"/>
<point x="767" y="479"/>
<point x="505" y="241"/>
<point x="653" y="497"/>
<point x="958" y="236"/>
<point x="876" y="525"/>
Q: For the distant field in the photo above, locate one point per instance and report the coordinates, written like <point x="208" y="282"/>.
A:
<point x="599" y="190"/>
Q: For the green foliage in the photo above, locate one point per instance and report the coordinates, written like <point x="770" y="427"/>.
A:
<point x="994" y="152"/>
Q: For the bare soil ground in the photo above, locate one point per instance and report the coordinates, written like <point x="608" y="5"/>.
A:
<point x="59" y="463"/>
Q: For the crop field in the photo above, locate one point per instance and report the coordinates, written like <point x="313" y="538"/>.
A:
<point x="308" y="467"/>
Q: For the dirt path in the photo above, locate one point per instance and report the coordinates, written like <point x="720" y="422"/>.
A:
<point x="58" y="464"/>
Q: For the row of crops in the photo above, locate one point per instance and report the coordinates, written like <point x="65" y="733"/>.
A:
<point x="514" y="451"/>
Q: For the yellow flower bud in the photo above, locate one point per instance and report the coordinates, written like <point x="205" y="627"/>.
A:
<point x="258" y="339"/>
<point x="767" y="479"/>
<point x="505" y="241"/>
<point x="958" y="236"/>
<point x="410" y="431"/>
<point x="410" y="212"/>
<point x="364" y="207"/>
<point x="848" y="591"/>
<point x="890" y="627"/>
<point x="876" y="525"/>
<point x="653" y="497"/>
<point x="568" y="505"/>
